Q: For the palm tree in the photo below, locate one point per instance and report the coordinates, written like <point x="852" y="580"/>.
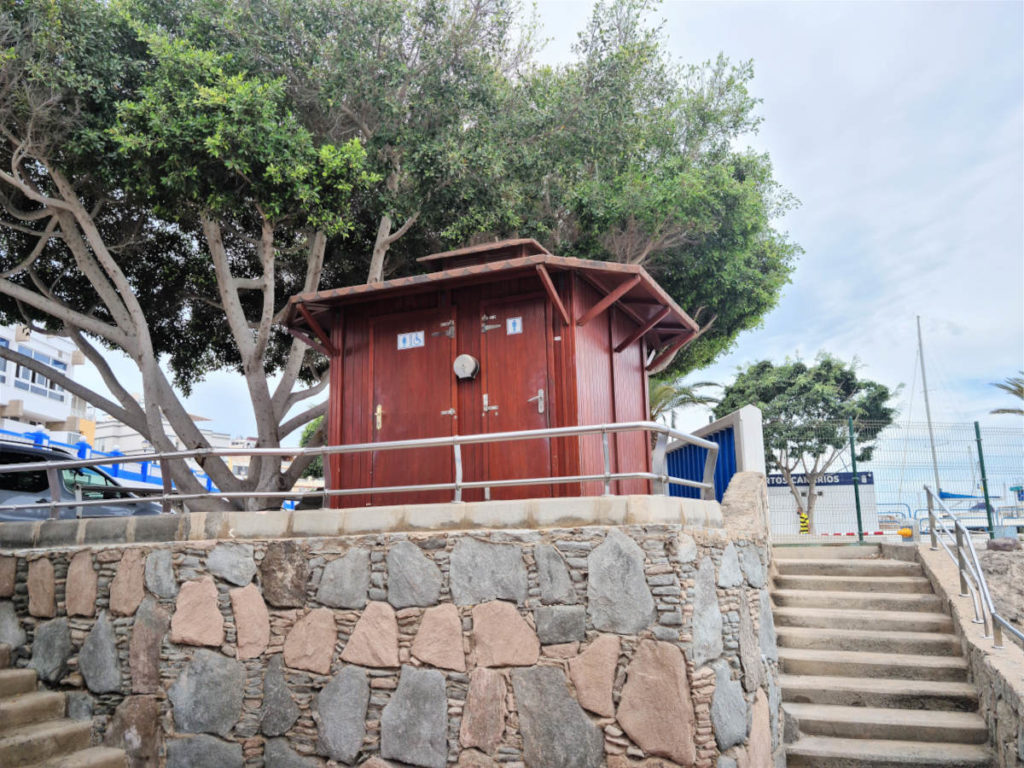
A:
<point x="1015" y="386"/>
<point x="666" y="396"/>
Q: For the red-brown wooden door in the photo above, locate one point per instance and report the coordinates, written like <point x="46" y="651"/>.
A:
<point x="413" y="397"/>
<point x="515" y="381"/>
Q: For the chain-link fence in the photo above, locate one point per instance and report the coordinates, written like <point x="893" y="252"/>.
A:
<point x="812" y="471"/>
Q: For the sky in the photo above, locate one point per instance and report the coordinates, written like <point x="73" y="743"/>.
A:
<point x="900" y="129"/>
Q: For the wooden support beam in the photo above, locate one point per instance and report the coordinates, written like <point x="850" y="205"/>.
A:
<point x="549" y="286"/>
<point x="669" y="352"/>
<point x="644" y="329"/>
<point x="608" y="300"/>
<point x="317" y="329"/>
<point x="310" y="341"/>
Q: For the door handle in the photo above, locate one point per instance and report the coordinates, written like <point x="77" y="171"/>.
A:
<point x="539" y="399"/>
<point x="488" y="407"/>
<point x="449" y="412"/>
<point x="379" y="416"/>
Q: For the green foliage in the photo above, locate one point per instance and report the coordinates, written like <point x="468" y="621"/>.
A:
<point x="666" y="395"/>
<point x="1014" y="386"/>
<point x="805" y="408"/>
<point x="316" y="467"/>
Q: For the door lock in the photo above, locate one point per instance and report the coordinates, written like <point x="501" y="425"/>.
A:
<point x="539" y="399"/>
<point x="379" y="415"/>
<point x="488" y="407"/>
<point x="449" y="329"/>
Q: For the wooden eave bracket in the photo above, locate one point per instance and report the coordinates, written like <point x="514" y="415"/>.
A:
<point x="664" y="357"/>
<point x="309" y="340"/>
<point x="549" y="286"/>
<point x="644" y="329"/>
<point x="608" y="300"/>
<point x="317" y="329"/>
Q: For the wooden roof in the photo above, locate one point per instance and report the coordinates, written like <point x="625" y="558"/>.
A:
<point x="637" y="294"/>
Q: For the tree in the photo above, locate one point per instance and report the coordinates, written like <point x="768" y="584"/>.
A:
<point x="1014" y="385"/>
<point x="171" y="172"/>
<point x="805" y="411"/>
<point x="665" y="396"/>
<point x="311" y="436"/>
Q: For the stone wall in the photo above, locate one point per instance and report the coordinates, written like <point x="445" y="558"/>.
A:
<point x="648" y="645"/>
<point x="997" y="673"/>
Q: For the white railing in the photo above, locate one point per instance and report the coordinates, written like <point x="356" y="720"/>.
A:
<point x="667" y="441"/>
<point x="972" y="578"/>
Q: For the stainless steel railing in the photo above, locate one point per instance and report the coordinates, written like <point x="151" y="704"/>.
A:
<point x="972" y="578"/>
<point x="668" y="440"/>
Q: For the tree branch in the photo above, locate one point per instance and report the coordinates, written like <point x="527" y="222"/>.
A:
<point x="303" y="418"/>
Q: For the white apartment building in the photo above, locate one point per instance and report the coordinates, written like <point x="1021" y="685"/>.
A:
<point x="34" y="401"/>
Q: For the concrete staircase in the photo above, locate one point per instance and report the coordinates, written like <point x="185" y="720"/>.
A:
<point x="871" y="670"/>
<point x="34" y="733"/>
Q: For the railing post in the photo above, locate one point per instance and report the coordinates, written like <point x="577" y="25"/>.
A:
<point x="984" y="481"/>
<point x="997" y="634"/>
<point x="931" y="521"/>
<point x="607" y="463"/>
<point x="457" y="455"/>
<point x="856" y="482"/>
<point x="659" y="463"/>
<point x="961" y="565"/>
<point x="165" y="480"/>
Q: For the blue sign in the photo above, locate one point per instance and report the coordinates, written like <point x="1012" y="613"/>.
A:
<point x="826" y="478"/>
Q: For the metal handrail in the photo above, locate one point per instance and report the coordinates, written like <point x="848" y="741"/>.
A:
<point x="984" y="609"/>
<point x="659" y="474"/>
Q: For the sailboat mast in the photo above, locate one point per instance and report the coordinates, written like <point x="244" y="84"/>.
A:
<point x="927" y="405"/>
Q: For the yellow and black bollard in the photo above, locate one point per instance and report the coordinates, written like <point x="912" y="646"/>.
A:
<point x="805" y="522"/>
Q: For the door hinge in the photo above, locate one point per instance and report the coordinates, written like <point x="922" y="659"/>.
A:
<point x="485" y="326"/>
<point x="449" y="329"/>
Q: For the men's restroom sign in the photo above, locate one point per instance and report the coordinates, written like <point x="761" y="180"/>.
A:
<point x="411" y="340"/>
<point x="513" y="325"/>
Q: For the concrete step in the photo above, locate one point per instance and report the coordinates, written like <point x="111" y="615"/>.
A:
<point x="864" y="601"/>
<point x="875" y="692"/>
<point x="826" y="752"/>
<point x="878" y="723"/>
<point x="920" y="643"/>
<point x="827" y="551"/>
<point x="94" y="757"/>
<point x="847" y="567"/>
<point x="883" y="621"/>
<point x="16" y="681"/>
<point x="35" y="743"/>
<point x="913" y="584"/>
<point x="34" y="707"/>
<point x="5" y="656"/>
<point x="804" y="661"/>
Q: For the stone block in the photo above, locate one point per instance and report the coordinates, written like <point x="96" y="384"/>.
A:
<point x="18" y="535"/>
<point x="197" y="619"/>
<point x="279" y="708"/>
<point x="438" y="641"/>
<point x="158" y="528"/>
<point x="278" y="754"/>
<point x="135" y="728"/>
<point x="730" y="714"/>
<point x="317" y="522"/>
<point x="204" y="752"/>
<point x="51" y="649"/>
<point x="97" y="661"/>
<point x="128" y="587"/>
<point x="483" y="719"/>
<point x="310" y="642"/>
<point x="11" y="632"/>
<point x="707" y="616"/>
<point x="148" y="631"/>
<point x="207" y="696"/>
<point x="284" y="573"/>
<point x="233" y="562"/>
<point x="8" y="571"/>
<point x="252" y="621"/>
<point x="497" y="514"/>
<point x="106" y="530"/>
<point x="357" y="521"/>
<point x="160" y="573"/>
<point x="80" y="589"/>
<point x="750" y="651"/>
<point x="345" y="581"/>
<point x="413" y="578"/>
<point x="553" y="576"/>
<point x="556" y="732"/>
<point x="414" y="724"/>
<point x="267" y="524"/>
<point x="619" y="599"/>
<point x="339" y="710"/>
<point x="434" y="517"/>
<point x="41" y="601"/>
<point x="502" y="638"/>
<point x="480" y="571"/>
<point x="729" y="573"/>
<point x="560" y="623"/>
<point x="753" y="568"/>
<point x="684" y="548"/>
<point x="655" y="708"/>
<point x="766" y="636"/>
<point x="374" y="641"/>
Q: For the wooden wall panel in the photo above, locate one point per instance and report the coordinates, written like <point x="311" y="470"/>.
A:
<point x="593" y="382"/>
<point x="632" y="448"/>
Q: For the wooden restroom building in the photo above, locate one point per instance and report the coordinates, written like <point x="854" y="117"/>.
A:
<point x="501" y="337"/>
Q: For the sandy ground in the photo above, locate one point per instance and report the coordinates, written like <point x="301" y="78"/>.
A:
<point x="1004" y="572"/>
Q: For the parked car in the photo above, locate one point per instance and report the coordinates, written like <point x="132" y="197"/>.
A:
<point x="31" y="493"/>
